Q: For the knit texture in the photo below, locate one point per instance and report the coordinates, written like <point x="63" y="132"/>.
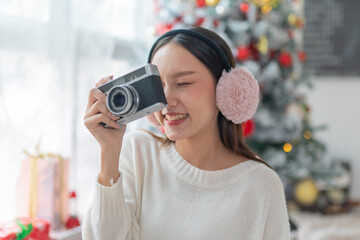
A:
<point x="161" y="196"/>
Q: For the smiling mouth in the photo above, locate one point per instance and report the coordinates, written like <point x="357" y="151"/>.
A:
<point x="175" y="117"/>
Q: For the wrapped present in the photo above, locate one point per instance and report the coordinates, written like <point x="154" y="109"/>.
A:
<point x="25" y="229"/>
<point x="42" y="189"/>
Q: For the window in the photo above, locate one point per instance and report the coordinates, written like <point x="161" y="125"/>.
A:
<point x="51" y="54"/>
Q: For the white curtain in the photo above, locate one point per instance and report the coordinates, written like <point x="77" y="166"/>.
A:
<point x="51" y="54"/>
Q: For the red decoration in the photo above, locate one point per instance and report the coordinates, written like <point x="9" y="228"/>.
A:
<point x="39" y="230"/>
<point x="216" y="22"/>
<point x="285" y="59"/>
<point x="254" y="51"/>
<point x="199" y="22"/>
<point x="72" y="194"/>
<point x="248" y="128"/>
<point x="243" y="53"/>
<point x="178" y="19"/>
<point x="299" y="23"/>
<point x="244" y="7"/>
<point x="72" y="222"/>
<point x="272" y="54"/>
<point x="302" y="56"/>
<point x="162" y="28"/>
<point x="201" y="3"/>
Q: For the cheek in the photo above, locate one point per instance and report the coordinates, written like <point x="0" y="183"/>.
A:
<point x="205" y="96"/>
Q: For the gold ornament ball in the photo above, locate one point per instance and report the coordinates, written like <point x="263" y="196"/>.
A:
<point x="292" y="19"/>
<point x="306" y="192"/>
<point x="266" y="9"/>
<point x="287" y="147"/>
<point x="212" y="3"/>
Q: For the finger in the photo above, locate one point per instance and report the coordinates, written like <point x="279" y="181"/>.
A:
<point x="94" y="121"/>
<point x="95" y="95"/>
<point x="104" y="80"/>
<point x="99" y="107"/>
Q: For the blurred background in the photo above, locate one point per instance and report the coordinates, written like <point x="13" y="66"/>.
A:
<point x="305" y="55"/>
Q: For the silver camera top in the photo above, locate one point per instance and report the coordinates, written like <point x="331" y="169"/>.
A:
<point x="136" y="75"/>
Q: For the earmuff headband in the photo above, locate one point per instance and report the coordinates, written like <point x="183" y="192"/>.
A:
<point x="199" y="36"/>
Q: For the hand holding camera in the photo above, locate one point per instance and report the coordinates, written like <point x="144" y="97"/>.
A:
<point x="97" y="113"/>
<point x="114" y="103"/>
<point x="125" y="99"/>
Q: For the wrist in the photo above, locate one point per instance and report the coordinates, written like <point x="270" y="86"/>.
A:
<point x="108" y="180"/>
<point x="109" y="168"/>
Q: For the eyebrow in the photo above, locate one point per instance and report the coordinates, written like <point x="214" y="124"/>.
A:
<point x="183" y="73"/>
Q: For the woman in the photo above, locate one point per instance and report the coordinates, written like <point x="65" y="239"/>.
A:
<point x="203" y="182"/>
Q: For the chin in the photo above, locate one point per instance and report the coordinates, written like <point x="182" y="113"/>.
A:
<point x="174" y="136"/>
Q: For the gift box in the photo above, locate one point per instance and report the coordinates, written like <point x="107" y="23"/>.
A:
<point x="25" y="228"/>
<point x="42" y="189"/>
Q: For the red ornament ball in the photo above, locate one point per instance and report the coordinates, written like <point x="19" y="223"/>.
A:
<point x="248" y="128"/>
<point x="244" y="7"/>
<point x="302" y="56"/>
<point x="285" y="59"/>
<point x="200" y="3"/>
<point x="243" y="53"/>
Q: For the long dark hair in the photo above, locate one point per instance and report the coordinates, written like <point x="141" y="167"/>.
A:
<point x="231" y="134"/>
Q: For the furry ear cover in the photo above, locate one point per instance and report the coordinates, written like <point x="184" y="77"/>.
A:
<point x="237" y="95"/>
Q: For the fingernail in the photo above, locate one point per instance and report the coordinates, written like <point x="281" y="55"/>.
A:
<point x="114" y="116"/>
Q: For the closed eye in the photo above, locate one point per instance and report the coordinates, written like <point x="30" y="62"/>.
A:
<point x="184" y="83"/>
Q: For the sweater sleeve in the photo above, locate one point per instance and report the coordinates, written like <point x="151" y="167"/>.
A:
<point x="111" y="214"/>
<point x="277" y="225"/>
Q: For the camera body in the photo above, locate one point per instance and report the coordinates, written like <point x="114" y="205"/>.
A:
<point x="135" y="95"/>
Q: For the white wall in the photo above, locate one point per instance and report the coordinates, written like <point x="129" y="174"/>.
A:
<point x="335" y="101"/>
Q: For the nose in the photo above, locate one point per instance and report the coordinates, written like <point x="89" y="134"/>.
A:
<point x="170" y="96"/>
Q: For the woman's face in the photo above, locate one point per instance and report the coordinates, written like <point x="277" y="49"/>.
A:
<point x="190" y="92"/>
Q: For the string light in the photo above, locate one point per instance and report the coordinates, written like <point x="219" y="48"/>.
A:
<point x="211" y="3"/>
<point x="287" y="147"/>
<point x="266" y="9"/>
<point x="307" y="134"/>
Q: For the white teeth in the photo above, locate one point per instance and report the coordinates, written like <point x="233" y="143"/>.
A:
<point x="175" y="117"/>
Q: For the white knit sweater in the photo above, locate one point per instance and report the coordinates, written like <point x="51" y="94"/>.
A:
<point x="161" y="196"/>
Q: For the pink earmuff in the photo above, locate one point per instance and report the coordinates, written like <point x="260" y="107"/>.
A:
<point x="237" y="95"/>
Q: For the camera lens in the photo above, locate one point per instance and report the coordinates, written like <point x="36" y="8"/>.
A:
<point x="122" y="100"/>
<point x="119" y="100"/>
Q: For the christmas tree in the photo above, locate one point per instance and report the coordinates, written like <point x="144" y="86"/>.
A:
<point x="265" y="36"/>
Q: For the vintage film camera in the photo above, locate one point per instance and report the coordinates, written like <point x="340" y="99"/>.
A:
<point x="135" y="94"/>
